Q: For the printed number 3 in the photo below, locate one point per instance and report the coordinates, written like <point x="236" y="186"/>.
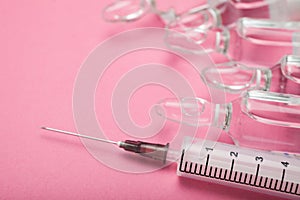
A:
<point x="258" y="158"/>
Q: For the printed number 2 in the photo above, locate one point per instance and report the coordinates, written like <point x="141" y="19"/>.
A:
<point x="258" y="158"/>
<point x="235" y="154"/>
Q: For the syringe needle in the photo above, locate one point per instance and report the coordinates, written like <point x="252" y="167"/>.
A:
<point x="150" y="150"/>
<point x="80" y="135"/>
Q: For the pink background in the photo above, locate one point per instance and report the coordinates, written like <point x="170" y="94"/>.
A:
<point x="43" y="44"/>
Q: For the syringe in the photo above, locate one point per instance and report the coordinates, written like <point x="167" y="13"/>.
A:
<point x="260" y="171"/>
<point x="150" y="150"/>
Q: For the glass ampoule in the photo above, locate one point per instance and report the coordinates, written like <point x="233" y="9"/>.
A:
<point x="237" y="78"/>
<point x="213" y="14"/>
<point x="127" y="10"/>
<point x="132" y="10"/>
<point x="258" y="119"/>
<point x="228" y="12"/>
<point x="224" y="13"/>
<point x="277" y="38"/>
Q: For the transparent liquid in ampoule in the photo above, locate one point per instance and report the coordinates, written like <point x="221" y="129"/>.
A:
<point x="237" y="9"/>
<point x="278" y="10"/>
<point x="269" y="121"/>
<point x="263" y="41"/>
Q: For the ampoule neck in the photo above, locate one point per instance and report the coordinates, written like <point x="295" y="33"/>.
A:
<point x="195" y="112"/>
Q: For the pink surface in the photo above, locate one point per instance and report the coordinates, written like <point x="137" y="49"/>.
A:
<point x="43" y="44"/>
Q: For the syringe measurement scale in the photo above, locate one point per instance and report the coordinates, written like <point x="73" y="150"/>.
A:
<point x="266" y="172"/>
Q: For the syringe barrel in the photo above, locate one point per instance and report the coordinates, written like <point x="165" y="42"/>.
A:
<point x="259" y="171"/>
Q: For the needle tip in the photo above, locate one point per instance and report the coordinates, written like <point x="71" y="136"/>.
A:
<point x="79" y="135"/>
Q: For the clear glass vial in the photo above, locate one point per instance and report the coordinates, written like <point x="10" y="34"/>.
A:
<point x="236" y="78"/>
<point x="258" y="119"/>
<point x="228" y="12"/>
<point x="261" y="34"/>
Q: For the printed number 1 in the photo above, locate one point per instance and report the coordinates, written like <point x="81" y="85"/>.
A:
<point x="209" y="149"/>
